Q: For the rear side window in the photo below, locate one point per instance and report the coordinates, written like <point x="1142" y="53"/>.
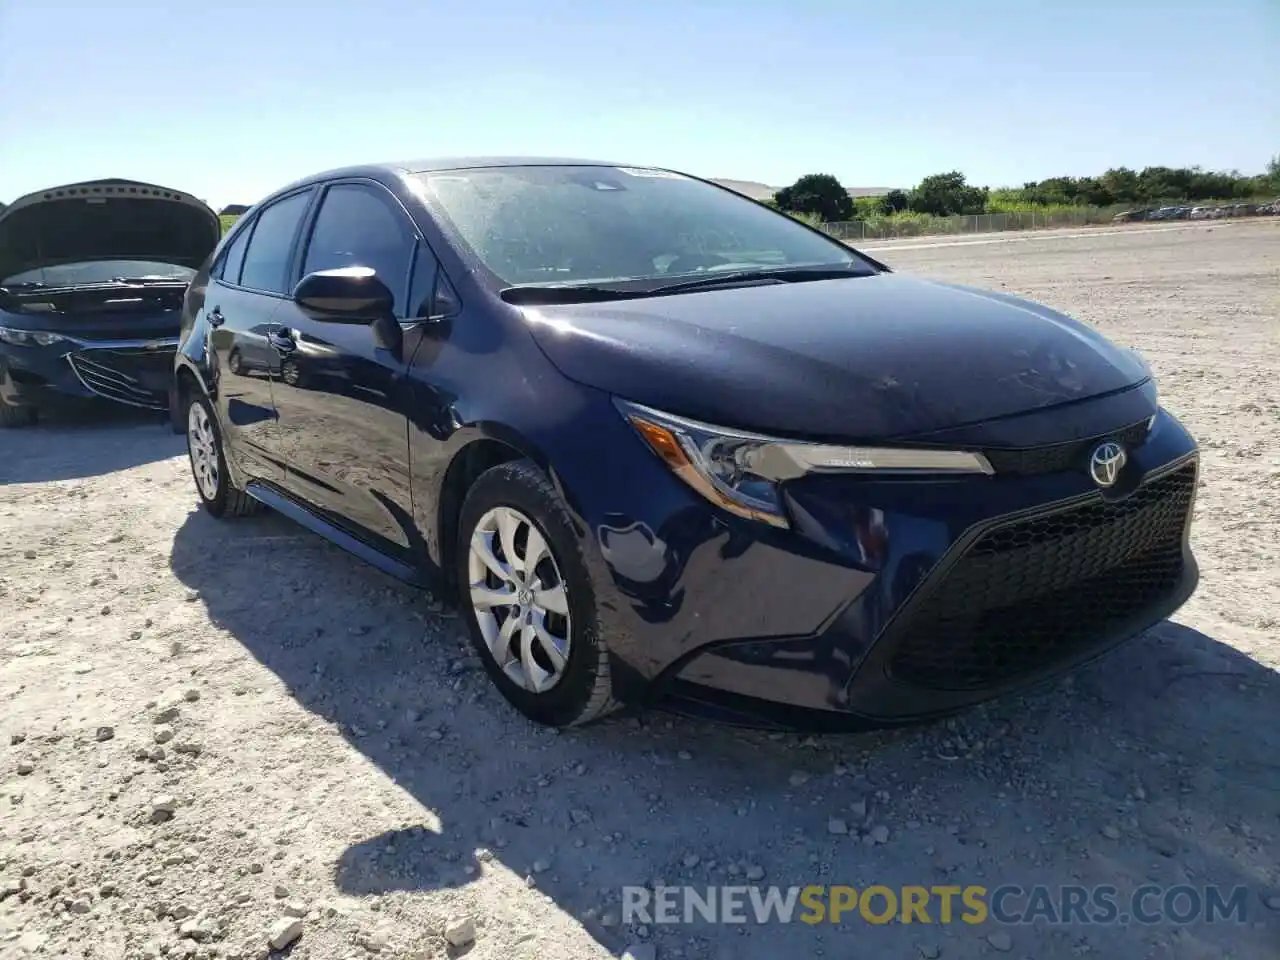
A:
<point x="266" y="262"/>
<point x="361" y="225"/>
<point x="229" y="270"/>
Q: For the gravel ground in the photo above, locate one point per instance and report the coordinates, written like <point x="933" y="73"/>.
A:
<point x="211" y="732"/>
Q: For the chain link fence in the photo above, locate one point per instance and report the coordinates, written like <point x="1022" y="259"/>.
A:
<point x="887" y="229"/>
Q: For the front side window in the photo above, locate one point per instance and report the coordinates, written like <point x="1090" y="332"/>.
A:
<point x="358" y="225"/>
<point x="596" y="224"/>
<point x="266" y="261"/>
<point x="430" y="293"/>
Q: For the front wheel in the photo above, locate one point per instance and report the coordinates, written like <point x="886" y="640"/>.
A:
<point x="291" y="374"/>
<point x="528" y="600"/>
<point x="11" y="416"/>
<point x="209" y="463"/>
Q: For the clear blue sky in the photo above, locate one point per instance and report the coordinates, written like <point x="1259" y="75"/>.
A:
<point x="229" y="100"/>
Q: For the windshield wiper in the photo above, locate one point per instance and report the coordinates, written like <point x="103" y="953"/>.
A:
<point x="569" y="293"/>
<point x="145" y="280"/>
<point x="534" y="293"/>
<point x="25" y="285"/>
<point x="775" y="275"/>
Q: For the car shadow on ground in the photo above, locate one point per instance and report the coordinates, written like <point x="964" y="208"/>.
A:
<point x="1157" y="765"/>
<point x="83" y="442"/>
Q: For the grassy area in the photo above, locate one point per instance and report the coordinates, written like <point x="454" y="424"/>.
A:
<point x="227" y="221"/>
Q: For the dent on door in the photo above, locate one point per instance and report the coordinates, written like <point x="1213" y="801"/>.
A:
<point x="343" y="430"/>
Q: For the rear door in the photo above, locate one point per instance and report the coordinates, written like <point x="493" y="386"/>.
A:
<point x="343" y="432"/>
<point x="245" y="293"/>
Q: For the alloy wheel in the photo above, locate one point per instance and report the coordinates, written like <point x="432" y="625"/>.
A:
<point x="519" y="599"/>
<point x="203" y="447"/>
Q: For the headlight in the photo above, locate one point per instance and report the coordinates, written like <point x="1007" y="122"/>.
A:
<point x="741" y="472"/>
<point x="28" y="338"/>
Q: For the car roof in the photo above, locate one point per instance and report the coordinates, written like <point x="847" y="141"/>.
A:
<point x="459" y="163"/>
<point x="435" y="164"/>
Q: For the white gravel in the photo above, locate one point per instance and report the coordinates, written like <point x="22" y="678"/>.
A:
<point x="322" y="743"/>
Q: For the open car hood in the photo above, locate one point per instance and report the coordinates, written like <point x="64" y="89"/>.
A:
<point x="108" y="219"/>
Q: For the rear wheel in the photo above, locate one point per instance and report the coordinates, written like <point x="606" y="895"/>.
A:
<point x="209" y="463"/>
<point x="11" y="416"/>
<point x="528" y="600"/>
<point x="235" y="363"/>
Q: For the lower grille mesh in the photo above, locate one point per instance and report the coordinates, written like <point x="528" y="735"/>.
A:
<point x="1045" y="589"/>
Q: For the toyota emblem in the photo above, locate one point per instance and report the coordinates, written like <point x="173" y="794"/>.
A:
<point x="1106" y="462"/>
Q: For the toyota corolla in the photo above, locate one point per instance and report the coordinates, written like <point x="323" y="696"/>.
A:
<point x="660" y="443"/>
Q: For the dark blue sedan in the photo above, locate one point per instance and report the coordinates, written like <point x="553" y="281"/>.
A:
<point x="661" y="443"/>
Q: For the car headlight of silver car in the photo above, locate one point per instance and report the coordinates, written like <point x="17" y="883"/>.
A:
<point x="742" y="472"/>
<point x="29" y="338"/>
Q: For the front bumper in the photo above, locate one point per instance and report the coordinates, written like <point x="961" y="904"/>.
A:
<point x="136" y="373"/>
<point x="894" y="601"/>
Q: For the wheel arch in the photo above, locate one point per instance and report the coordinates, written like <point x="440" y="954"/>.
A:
<point x="485" y="446"/>
<point x="186" y="381"/>
<point x="482" y="452"/>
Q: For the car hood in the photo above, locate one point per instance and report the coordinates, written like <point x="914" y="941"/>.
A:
<point x="872" y="358"/>
<point x="106" y="220"/>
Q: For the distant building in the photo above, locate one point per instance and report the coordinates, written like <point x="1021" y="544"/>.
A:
<point x="234" y="210"/>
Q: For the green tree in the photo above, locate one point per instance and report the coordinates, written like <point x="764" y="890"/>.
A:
<point x="867" y="208"/>
<point x="947" y="194"/>
<point x="819" y="194"/>
<point x="1122" y="184"/>
<point x="895" y="201"/>
<point x="1273" y="172"/>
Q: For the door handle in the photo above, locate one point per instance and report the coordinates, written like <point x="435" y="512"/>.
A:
<point x="216" y="319"/>
<point x="282" y="341"/>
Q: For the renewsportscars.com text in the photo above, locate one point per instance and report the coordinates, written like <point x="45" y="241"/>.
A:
<point x="937" y="904"/>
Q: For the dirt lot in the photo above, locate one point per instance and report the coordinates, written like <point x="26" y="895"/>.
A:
<point x="313" y="740"/>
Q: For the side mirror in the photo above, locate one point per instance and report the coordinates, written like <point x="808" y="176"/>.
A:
<point x="344" y="295"/>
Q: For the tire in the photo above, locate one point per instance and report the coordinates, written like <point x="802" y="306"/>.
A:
<point x="235" y="363"/>
<point x="204" y="445"/>
<point x="11" y="416"/>
<point x="292" y="375"/>
<point x="582" y="691"/>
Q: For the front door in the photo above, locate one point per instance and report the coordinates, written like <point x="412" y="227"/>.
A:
<point x="342" y="428"/>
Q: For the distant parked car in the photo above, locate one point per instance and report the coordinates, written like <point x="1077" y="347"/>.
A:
<point x="1129" y="216"/>
<point x="656" y="440"/>
<point x="1200" y="213"/>
<point x="92" y="277"/>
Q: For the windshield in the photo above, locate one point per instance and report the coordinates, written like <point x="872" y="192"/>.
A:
<point x="599" y="225"/>
<point x="99" y="271"/>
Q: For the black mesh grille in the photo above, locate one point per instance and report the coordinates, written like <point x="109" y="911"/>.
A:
<point x="1045" y="589"/>
<point x="1056" y="457"/>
